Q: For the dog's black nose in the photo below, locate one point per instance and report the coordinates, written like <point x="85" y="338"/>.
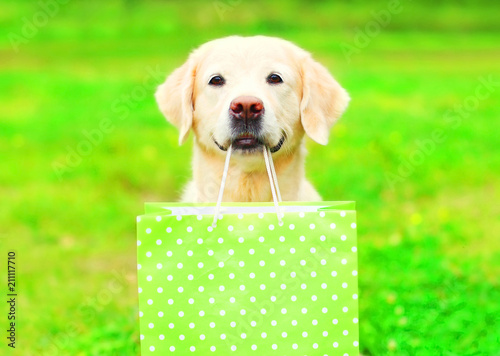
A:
<point x="246" y="108"/>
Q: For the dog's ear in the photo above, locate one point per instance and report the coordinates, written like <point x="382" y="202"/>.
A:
<point x="323" y="100"/>
<point x="175" y="98"/>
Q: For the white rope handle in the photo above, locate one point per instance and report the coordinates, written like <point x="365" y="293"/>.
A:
<point x="222" y="184"/>
<point x="273" y="181"/>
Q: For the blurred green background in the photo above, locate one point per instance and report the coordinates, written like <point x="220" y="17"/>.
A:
<point x="417" y="149"/>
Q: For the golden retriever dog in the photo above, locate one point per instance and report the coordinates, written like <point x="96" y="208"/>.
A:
<point x="251" y="92"/>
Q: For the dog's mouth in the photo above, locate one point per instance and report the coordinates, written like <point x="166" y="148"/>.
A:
<point x="249" y="143"/>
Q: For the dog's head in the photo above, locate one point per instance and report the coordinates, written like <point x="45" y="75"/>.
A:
<point x="250" y="92"/>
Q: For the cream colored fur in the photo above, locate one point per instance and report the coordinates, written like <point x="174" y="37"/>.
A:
<point x="308" y="102"/>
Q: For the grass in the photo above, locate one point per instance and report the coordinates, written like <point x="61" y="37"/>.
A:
<point x="428" y="246"/>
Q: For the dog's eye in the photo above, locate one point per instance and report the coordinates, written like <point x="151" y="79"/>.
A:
<point x="274" y="78"/>
<point x="216" y="80"/>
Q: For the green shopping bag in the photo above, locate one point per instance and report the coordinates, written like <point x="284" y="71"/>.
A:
<point x="251" y="284"/>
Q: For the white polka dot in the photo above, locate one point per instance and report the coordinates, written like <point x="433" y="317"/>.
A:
<point x="274" y="346"/>
<point x="260" y="215"/>
<point x="201" y="313"/>
<point x="233" y="324"/>
<point x="302" y="238"/>
<point x="314" y="298"/>
<point x="272" y="275"/>
<point x="304" y="310"/>
<point x="242" y="287"/>
<point x="263" y="335"/>
<point x="272" y="251"/>
<point x="151" y="348"/>
<point x="179" y="218"/>
<point x="251" y="251"/>
<point x="159" y="266"/>
<point x="333" y="249"/>
<point x="148" y="230"/>
<point x="172" y="348"/>
<point x="192" y="348"/>
<point x="210" y="229"/>
<point x="169" y="253"/>
<point x="322" y="214"/>
<point x="355" y="343"/>
<point x="312" y="226"/>
<point x="295" y="346"/>
<point x="200" y="265"/>
<point x="342" y="213"/>
<point x="293" y="298"/>
<point x="199" y="241"/>
<point x="303" y="262"/>
<point x="304" y="334"/>
<point x="231" y="275"/>
<point x="138" y="243"/>
<point x="201" y="289"/>
<point x="271" y="227"/>
<point x="315" y="322"/>
<point x="301" y="214"/>
<point x="343" y="237"/>
<point x="263" y="311"/>
<point x="254" y="347"/>
<point x="292" y="250"/>
<point x="212" y="348"/>
<point x="323" y="262"/>
<point x="262" y="263"/>
<point x="158" y="242"/>
<point x="354" y="296"/>
<point x="148" y="254"/>
<point x="283" y="286"/>
<point x="191" y="325"/>
<point x="221" y="288"/>
<point x="291" y="227"/>
<point x="355" y="320"/>
<point x="222" y="312"/>
<point x="334" y="273"/>
<point x="261" y="239"/>
<point x="179" y="265"/>
<point x="253" y="323"/>
<point x="252" y="299"/>
<point x="292" y="274"/>
<point x="151" y="325"/>
<point x="179" y="241"/>
<point x="138" y="219"/>
<point x="344" y="285"/>
<point x="241" y="240"/>
<point x="171" y="325"/>
<point x="139" y="266"/>
<point x="161" y="337"/>
<point x="202" y="337"/>
<point x="189" y="229"/>
<point x="345" y="332"/>
<point x="199" y="217"/>
<point x="252" y="275"/>
<point x="140" y="290"/>
<point x="345" y="309"/>
<point x="243" y="335"/>
<point x="334" y="297"/>
<point x="273" y="298"/>
<point x="189" y="253"/>
<point x="223" y="336"/>
<point x="313" y="250"/>
<point x="141" y="314"/>
<point x="211" y="300"/>
<point x="170" y="301"/>
<point x="212" y="325"/>
<point x="169" y="230"/>
<point x="180" y="289"/>
<point x="335" y="344"/>
<point x="324" y="310"/>
<point x="353" y="225"/>
<point x="241" y="264"/>
<point x="283" y="311"/>
<point x="230" y="227"/>
<point x="159" y="290"/>
<point x="294" y="322"/>
<point x="190" y="300"/>
<point x="221" y="264"/>
<point x="149" y="278"/>
<point x="220" y="240"/>
<point x="262" y="286"/>
<point x="282" y="238"/>
<point x="240" y="216"/>
<point x="323" y="285"/>
<point x="322" y="237"/>
<point x="250" y="227"/>
<point x="233" y="347"/>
